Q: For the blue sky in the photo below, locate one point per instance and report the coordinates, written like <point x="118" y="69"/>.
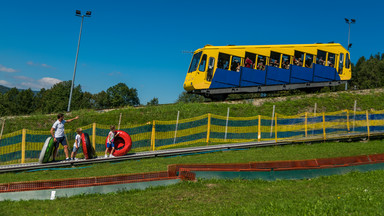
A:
<point x="141" y="43"/>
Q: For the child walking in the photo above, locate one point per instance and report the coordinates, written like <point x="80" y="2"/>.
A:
<point x="76" y="145"/>
<point x="111" y="141"/>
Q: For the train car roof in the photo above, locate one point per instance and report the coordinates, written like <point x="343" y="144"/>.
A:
<point x="208" y="46"/>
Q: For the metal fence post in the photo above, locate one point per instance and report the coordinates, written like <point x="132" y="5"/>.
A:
<point x="306" y="124"/>
<point x="153" y="136"/>
<point x="259" y="130"/>
<point x="24" y="135"/>
<point x="348" y="128"/>
<point x="208" y="127"/>
<point x="325" y="136"/>
<point x="94" y="135"/>
<point x="367" y="123"/>
<point x="275" y="127"/>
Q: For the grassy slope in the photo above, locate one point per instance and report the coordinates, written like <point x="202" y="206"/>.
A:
<point x="353" y="193"/>
<point x="291" y="105"/>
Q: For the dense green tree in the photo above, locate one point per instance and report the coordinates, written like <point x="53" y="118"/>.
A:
<point x="101" y="100"/>
<point x="121" y="95"/>
<point x="153" y="102"/>
<point x="190" y="98"/>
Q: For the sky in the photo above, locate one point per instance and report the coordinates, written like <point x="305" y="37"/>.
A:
<point x="145" y="44"/>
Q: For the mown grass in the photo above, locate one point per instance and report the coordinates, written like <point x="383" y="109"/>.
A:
<point x="291" y="105"/>
<point x="288" y="152"/>
<point x="351" y="194"/>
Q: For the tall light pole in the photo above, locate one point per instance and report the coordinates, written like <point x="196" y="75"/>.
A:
<point x="352" y="21"/>
<point x="78" y="13"/>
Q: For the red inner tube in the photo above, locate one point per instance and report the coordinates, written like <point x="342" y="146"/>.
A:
<point x="123" y="143"/>
<point x="84" y="145"/>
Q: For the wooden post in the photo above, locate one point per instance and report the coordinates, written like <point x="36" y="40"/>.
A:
<point x="118" y="127"/>
<point x="367" y="123"/>
<point x="94" y="135"/>
<point x="325" y="136"/>
<point x="153" y="136"/>
<point x="259" y="130"/>
<point x="208" y="127"/>
<point x="306" y="124"/>
<point x="24" y="135"/>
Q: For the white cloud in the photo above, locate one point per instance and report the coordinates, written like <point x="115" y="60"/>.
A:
<point x="117" y="73"/>
<point x="23" y="78"/>
<point x="38" y="64"/>
<point x="48" y="82"/>
<point x="5" y="69"/>
<point x="5" y="83"/>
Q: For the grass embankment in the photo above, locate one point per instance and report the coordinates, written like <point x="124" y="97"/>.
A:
<point x="289" y="152"/>
<point x="353" y="193"/>
<point x="291" y="105"/>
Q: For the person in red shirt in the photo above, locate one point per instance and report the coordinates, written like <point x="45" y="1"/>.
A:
<point x="248" y="63"/>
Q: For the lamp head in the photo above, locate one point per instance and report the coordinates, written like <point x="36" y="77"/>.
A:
<point x="353" y="20"/>
<point x="346" y="20"/>
<point x="78" y="13"/>
<point x="88" y="13"/>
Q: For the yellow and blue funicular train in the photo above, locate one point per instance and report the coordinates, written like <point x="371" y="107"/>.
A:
<point x="223" y="70"/>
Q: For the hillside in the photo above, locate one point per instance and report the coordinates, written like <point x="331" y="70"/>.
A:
<point x="4" y="89"/>
<point x="290" y="105"/>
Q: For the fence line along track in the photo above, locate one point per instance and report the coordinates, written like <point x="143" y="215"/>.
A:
<point x="181" y="151"/>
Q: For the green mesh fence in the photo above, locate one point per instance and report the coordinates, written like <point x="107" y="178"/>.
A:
<point x="25" y="145"/>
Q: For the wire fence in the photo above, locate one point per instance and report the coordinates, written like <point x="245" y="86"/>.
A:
<point x="24" y="146"/>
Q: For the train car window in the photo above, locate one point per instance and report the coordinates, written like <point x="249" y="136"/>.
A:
<point x="308" y="60"/>
<point x="235" y="64"/>
<point x="347" y="61"/>
<point x="331" y="60"/>
<point x="298" y="58"/>
<point x="286" y="62"/>
<point x="211" y="65"/>
<point x="223" y="62"/>
<point x="320" y="58"/>
<point x="275" y="59"/>
<point x="251" y="57"/>
<point x="261" y="62"/>
<point x="341" y="63"/>
<point x="203" y="63"/>
<point x="194" y="62"/>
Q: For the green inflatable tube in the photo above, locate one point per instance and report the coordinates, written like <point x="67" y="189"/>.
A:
<point x="47" y="150"/>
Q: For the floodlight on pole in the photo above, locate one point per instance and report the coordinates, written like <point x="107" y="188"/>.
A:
<point x="349" y="22"/>
<point x="78" y="13"/>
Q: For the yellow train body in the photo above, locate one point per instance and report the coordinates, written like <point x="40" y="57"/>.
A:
<point x="207" y="60"/>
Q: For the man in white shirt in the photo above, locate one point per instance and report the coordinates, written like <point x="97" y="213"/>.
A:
<point x="57" y="132"/>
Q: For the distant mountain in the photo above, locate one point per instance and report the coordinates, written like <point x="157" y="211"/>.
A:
<point x="4" y="89"/>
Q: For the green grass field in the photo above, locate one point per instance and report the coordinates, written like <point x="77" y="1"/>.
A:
<point x="351" y="194"/>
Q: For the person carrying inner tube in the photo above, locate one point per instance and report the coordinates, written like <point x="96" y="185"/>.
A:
<point x="110" y="141"/>
<point x="57" y="132"/>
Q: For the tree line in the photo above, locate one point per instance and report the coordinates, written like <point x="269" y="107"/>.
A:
<point x="55" y="99"/>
